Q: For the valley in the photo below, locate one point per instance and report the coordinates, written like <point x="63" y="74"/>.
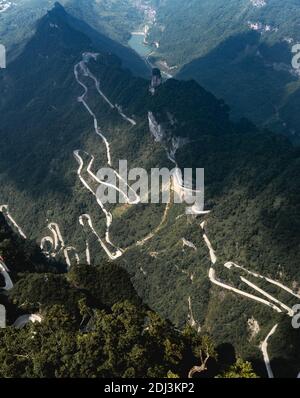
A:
<point x="214" y="268"/>
<point x="245" y="59"/>
<point x="137" y="43"/>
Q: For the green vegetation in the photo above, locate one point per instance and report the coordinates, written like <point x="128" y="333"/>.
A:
<point x="252" y="188"/>
<point x="195" y="28"/>
<point x="106" y="284"/>
<point x="107" y="22"/>
<point x="92" y="328"/>
<point x="211" y="42"/>
<point x="22" y="256"/>
<point x="125" y="342"/>
<point x="240" y="370"/>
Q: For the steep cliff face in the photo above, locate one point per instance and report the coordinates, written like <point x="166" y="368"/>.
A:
<point x="156" y="80"/>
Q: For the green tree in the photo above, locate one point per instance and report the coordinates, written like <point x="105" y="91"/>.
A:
<point x="203" y="349"/>
<point x="240" y="370"/>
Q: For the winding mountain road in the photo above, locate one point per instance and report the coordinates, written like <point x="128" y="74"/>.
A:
<point x="256" y="275"/>
<point x="290" y="312"/>
<point x="87" y="253"/>
<point x="86" y="218"/>
<point x="214" y="280"/>
<point x="4" y="272"/>
<point x="82" y="68"/>
<point x="171" y="147"/>
<point x="57" y="244"/>
<point x="4" y="210"/>
<point x="230" y="265"/>
<point x="108" y="215"/>
<point x="187" y="243"/>
<point x="264" y="349"/>
<point x="23" y="320"/>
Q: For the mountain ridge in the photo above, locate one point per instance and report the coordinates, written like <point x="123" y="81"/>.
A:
<point x="257" y="80"/>
<point x="249" y="174"/>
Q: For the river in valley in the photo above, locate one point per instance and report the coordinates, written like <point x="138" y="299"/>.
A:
<point x="137" y="43"/>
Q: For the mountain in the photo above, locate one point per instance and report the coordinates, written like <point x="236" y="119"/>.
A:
<point x="69" y="107"/>
<point x="240" y="50"/>
<point x="89" y="323"/>
<point x="108" y="23"/>
<point x="194" y="35"/>
<point x="257" y="66"/>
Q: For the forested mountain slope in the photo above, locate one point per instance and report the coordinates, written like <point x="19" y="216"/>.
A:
<point x="67" y="116"/>
<point x="90" y="323"/>
<point x="244" y="56"/>
<point x="109" y="23"/>
<point x="241" y="50"/>
<point x="196" y="27"/>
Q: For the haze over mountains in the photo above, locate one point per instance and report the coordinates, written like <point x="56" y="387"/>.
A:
<point x="66" y="112"/>
<point x="19" y="22"/>
<point x="238" y="49"/>
<point x="244" y="56"/>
